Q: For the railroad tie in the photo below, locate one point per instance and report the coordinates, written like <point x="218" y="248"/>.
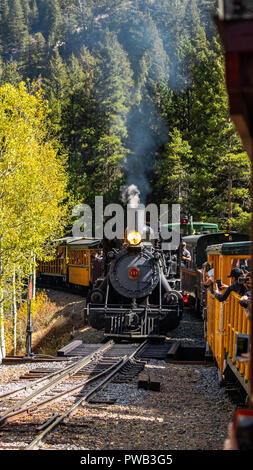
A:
<point x="148" y="382"/>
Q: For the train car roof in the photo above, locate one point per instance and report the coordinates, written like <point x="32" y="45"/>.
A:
<point x="207" y="224"/>
<point x="199" y="243"/>
<point x="78" y="241"/>
<point x="232" y="248"/>
<point x="193" y="239"/>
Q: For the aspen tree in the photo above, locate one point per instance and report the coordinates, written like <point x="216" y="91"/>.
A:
<point x="32" y="185"/>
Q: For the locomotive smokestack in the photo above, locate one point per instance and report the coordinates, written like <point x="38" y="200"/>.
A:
<point x="135" y="211"/>
<point x="135" y="218"/>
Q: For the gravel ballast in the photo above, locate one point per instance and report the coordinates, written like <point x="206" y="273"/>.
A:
<point x="191" y="411"/>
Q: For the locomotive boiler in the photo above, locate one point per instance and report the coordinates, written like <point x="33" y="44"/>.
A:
<point x="139" y="292"/>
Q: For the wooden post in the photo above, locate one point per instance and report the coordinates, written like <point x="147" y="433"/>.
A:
<point x="14" y="313"/>
<point x="34" y="276"/>
<point x="29" y="319"/>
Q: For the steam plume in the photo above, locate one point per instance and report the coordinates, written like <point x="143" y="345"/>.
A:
<point x="131" y="195"/>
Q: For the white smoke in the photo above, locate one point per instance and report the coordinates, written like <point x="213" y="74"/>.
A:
<point x="130" y="195"/>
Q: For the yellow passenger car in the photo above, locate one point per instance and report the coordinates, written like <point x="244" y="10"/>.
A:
<point x="225" y="320"/>
<point x="78" y="262"/>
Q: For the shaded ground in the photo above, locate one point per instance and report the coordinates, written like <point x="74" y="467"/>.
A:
<point x="69" y="322"/>
<point x="190" y="412"/>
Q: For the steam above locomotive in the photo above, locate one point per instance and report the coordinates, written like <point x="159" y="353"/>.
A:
<point x="138" y="294"/>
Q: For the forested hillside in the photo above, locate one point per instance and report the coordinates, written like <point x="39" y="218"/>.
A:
<point x="137" y="95"/>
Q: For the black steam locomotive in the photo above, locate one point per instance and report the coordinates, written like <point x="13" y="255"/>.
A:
<point x="139" y="294"/>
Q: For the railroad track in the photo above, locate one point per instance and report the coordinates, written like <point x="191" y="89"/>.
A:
<point x="64" y="392"/>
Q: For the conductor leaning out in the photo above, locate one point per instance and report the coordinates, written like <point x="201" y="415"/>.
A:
<point x="235" y="286"/>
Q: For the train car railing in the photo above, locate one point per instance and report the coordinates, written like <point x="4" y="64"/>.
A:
<point x="215" y="329"/>
<point x="76" y="260"/>
<point x="224" y="321"/>
<point x="235" y="321"/>
<point x="78" y="257"/>
<point x="54" y="267"/>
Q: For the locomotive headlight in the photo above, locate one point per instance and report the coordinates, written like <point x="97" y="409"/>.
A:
<point x="134" y="238"/>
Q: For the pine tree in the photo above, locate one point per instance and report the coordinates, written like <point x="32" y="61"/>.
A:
<point x="4" y="14"/>
<point x="17" y="29"/>
<point x="10" y="73"/>
<point x="26" y="11"/>
<point x="172" y="180"/>
<point x="115" y="85"/>
<point x="233" y="188"/>
<point x="34" y="15"/>
<point x="34" y="56"/>
<point x="50" y="20"/>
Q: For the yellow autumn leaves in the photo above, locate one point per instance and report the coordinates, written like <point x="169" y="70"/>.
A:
<point x="32" y="183"/>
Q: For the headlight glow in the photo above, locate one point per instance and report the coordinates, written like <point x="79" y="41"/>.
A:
<point x="134" y="238"/>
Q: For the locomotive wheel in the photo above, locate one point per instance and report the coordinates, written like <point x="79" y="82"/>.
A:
<point x="96" y="319"/>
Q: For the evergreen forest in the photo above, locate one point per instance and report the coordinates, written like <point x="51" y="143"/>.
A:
<point x="136" y="94"/>
<point x="97" y="96"/>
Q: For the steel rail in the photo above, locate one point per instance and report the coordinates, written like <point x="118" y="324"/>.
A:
<point x="84" y="399"/>
<point x="59" y="378"/>
<point x="35" y="383"/>
<point x="130" y="358"/>
<point x="26" y="411"/>
<point x="40" y="380"/>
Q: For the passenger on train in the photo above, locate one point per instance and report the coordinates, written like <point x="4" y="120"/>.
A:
<point x="186" y="255"/>
<point x="234" y="287"/>
<point x="205" y="269"/>
<point x="245" y="302"/>
<point x="246" y="298"/>
<point x="208" y="276"/>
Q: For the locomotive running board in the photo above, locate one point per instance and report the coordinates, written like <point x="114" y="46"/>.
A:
<point x="120" y="310"/>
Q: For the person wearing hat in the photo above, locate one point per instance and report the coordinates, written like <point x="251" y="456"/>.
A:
<point x="234" y="287"/>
